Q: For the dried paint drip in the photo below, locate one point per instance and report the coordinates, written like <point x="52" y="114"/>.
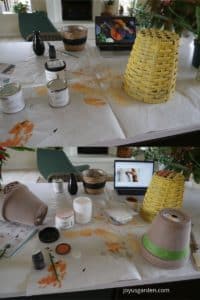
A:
<point x="107" y="83"/>
<point x="41" y="90"/>
<point x="50" y="279"/>
<point x="22" y="132"/>
<point x="94" y="101"/>
<point x="114" y="247"/>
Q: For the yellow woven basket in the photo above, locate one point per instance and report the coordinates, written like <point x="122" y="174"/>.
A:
<point x="150" y="74"/>
<point x="163" y="192"/>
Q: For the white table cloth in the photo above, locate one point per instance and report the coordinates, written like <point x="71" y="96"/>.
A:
<point x="16" y="273"/>
<point x="99" y="112"/>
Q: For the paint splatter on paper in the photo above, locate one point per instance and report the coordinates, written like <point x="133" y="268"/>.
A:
<point x="114" y="247"/>
<point x="50" y="279"/>
<point x="94" y="101"/>
<point x="41" y="90"/>
<point x="20" y="133"/>
<point x="101" y="82"/>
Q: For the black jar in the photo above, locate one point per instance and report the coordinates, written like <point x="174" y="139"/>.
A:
<point x="38" y="44"/>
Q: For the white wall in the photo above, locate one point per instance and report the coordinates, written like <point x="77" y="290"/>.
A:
<point x="9" y="26"/>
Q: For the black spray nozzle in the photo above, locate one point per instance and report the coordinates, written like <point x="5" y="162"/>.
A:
<point x="52" y="51"/>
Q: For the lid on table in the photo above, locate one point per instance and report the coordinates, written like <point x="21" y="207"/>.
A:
<point x="55" y="65"/>
<point x="49" y="235"/>
<point x="56" y="85"/>
<point x="9" y="89"/>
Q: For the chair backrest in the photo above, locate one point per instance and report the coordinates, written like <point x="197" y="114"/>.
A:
<point x="37" y="21"/>
<point x="52" y="161"/>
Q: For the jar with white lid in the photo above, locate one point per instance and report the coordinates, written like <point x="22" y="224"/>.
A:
<point x="12" y="99"/>
<point x="55" y="69"/>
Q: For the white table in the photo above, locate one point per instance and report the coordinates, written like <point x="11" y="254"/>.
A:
<point x="14" y="272"/>
<point x="119" y="121"/>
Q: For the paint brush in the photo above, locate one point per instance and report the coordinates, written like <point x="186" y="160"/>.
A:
<point x="67" y="53"/>
<point x="53" y="265"/>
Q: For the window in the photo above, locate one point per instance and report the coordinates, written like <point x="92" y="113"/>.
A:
<point x="10" y="3"/>
<point x="126" y="4"/>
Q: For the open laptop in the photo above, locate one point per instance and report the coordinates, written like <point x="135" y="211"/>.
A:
<point x="132" y="177"/>
<point x="115" y="33"/>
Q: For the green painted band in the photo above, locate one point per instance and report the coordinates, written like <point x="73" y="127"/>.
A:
<point x="163" y="253"/>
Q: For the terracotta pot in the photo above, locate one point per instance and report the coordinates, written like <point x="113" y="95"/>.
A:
<point x="166" y="244"/>
<point x="109" y="10"/>
<point x="124" y="152"/>
<point x="21" y="205"/>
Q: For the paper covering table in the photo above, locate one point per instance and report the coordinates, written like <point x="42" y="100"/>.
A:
<point x="99" y="112"/>
<point x="85" y="263"/>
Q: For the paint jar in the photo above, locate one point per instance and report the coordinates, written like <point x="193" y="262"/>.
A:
<point x="38" y="260"/>
<point x="64" y="219"/>
<point x="58" y="185"/>
<point x="132" y="202"/>
<point x="83" y="210"/>
<point x="55" y="69"/>
<point x="58" y="93"/>
<point x="11" y="98"/>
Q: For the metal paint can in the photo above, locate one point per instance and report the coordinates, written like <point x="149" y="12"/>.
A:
<point x="58" y="93"/>
<point x="58" y="185"/>
<point x="55" y="69"/>
<point x="65" y="219"/>
<point x="12" y="98"/>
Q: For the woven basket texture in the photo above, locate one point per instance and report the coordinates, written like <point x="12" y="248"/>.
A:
<point x="150" y="75"/>
<point x="163" y="192"/>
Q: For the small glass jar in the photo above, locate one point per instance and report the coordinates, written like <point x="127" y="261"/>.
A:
<point x="11" y="96"/>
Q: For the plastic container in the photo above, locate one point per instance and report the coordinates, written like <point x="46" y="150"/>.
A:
<point x="83" y="210"/>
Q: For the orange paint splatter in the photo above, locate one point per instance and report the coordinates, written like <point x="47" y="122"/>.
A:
<point x="114" y="247"/>
<point x="107" y="235"/>
<point x="133" y="242"/>
<point x="86" y="232"/>
<point x="71" y="234"/>
<point x="94" y="101"/>
<point x="81" y="88"/>
<point x="50" y="279"/>
<point x="41" y="90"/>
<point x="22" y="132"/>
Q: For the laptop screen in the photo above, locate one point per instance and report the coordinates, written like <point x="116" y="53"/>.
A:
<point x="115" y="32"/>
<point x="132" y="174"/>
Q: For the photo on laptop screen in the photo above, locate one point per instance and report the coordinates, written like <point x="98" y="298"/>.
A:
<point x="115" y="32"/>
<point x="132" y="175"/>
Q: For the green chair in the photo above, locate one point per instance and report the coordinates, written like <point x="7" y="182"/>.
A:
<point x="52" y="162"/>
<point x="37" y="21"/>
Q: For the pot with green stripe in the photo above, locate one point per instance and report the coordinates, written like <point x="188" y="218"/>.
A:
<point x="166" y="244"/>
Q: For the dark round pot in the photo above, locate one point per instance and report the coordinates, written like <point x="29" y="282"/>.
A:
<point x="196" y="55"/>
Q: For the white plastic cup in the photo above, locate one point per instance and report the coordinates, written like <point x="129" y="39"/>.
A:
<point x="82" y="209"/>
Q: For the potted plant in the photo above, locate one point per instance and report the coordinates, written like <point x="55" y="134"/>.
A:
<point x="181" y="159"/>
<point x="109" y="6"/>
<point x="20" y="7"/>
